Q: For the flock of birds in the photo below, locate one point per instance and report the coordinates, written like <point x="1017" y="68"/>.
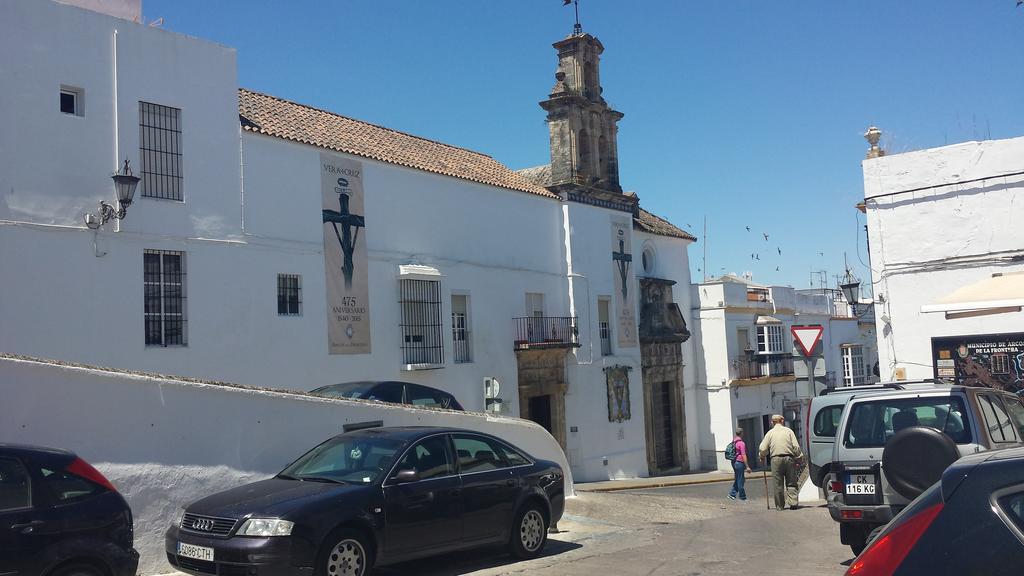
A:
<point x="756" y="255"/>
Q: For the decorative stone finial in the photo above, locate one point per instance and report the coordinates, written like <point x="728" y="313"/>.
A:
<point x="560" y="87"/>
<point x="872" y="136"/>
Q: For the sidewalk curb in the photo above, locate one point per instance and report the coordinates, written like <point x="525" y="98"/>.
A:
<point x="664" y="484"/>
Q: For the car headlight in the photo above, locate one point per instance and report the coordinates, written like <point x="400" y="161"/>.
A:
<point x="266" y="527"/>
<point x="178" y="517"/>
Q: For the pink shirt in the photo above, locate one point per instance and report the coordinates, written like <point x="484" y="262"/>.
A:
<point x="741" y="449"/>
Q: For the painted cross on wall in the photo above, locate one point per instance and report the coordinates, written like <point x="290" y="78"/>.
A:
<point x="625" y="299"/>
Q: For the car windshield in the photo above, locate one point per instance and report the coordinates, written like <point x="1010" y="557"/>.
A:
<point x="347" y="459"/>
<point x="873" y="422"/>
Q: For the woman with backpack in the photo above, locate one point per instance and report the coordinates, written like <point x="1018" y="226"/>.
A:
<point x="740" y="465"/>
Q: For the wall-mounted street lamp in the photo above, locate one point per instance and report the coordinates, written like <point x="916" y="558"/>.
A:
<point x="124" y="184"/>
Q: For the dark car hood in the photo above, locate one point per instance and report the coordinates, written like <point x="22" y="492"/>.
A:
<point x="274" y="497"/>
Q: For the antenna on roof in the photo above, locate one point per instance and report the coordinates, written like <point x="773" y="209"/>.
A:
<point x="157" y="23"/>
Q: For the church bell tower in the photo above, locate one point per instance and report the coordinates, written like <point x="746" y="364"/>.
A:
<point x="583" y="128"/>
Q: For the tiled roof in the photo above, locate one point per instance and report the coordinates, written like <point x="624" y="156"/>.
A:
<point x="645" y="222"/>
<point x="539" y="175"/>
<point x="652" y="224"/>
<point x="273" y="116"/>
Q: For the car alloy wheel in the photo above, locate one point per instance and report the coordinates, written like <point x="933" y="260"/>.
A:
<point x="531" y="531"/>
<point x="348" y="558"/>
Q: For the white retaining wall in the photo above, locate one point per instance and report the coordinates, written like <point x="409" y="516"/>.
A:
<point x="165" y="442"/>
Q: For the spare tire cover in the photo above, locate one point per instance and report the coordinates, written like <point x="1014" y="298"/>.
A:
<point x="916" y="457"/>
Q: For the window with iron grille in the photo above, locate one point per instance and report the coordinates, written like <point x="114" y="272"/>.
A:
<point x="769" y="339"/>
<point x="421" y="322"/>
<point x="604" y="326"/>
<point x="160" y="151"/>
<point x="289" y="295"/>
<point x="164" y="298"/>
<point x="853" y="365"/>
<point x="461" y="349"/>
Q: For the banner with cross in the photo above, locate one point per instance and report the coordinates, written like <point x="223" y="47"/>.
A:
<point x="348" y="287"/>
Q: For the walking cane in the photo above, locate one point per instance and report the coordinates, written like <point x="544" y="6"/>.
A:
<point x="767" y="502"/>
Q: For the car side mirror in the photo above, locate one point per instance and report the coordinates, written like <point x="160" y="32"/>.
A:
<point x="406" y="476"/>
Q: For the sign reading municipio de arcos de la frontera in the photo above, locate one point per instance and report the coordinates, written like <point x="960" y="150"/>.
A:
<point x="348" y="287"/>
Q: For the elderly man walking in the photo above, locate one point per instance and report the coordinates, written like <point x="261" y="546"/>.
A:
<point x="781" y="446"/>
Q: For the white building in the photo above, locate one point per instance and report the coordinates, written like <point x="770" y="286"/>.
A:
<point x="746" y="356"/>
<point x="947" y="250"/>
<point x="277" y="245"/>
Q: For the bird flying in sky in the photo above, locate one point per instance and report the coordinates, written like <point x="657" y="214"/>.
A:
<point x="748" y="228"/>
<point x="765" y="236"/>
<point x="780" y="251"/>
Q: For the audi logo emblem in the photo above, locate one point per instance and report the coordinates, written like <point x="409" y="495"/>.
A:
<point x="204" y="524"/>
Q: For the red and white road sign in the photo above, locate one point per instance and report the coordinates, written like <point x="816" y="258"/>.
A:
<point x="807" y="337"/>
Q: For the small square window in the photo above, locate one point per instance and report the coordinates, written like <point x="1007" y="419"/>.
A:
<point x="71" y="101"/>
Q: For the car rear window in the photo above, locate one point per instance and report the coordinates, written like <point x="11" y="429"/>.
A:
<point x="66" y="486"/>
<point x="1016" y="410"/>
<point x="826" y="421"/>
<point x="997" y="421"/>
<point x="872" y="422"/>
<point x="1013" y="506"/>
<point x="15" y="486"/>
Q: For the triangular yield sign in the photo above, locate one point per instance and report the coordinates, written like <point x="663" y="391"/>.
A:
<point x="807" y="337"/>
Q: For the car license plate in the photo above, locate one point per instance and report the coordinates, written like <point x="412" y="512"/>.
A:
<point x="861" y="484"/>
<point x="195" y="552"/>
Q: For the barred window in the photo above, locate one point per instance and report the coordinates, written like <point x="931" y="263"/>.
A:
<point x="289" y="295"/>
<point x="164" y="298"/>
<point x="853" y="365"/>
<point x="769" y="339"/>
<point x="421" y="322"/>
<point x="160" y="151"/>
<point x="604" y="326"/>
<point x="462" y="352"/>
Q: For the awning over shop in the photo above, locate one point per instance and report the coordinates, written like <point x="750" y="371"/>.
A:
<point x="998" y="294"/>
<point x="764" y="319"/>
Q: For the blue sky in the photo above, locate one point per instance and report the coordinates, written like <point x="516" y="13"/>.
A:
<point x="746" y="113"/>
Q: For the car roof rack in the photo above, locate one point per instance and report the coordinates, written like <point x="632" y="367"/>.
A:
<point x="901" y="385"/>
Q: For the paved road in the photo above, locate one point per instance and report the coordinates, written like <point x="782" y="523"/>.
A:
<point x="685" y="530"/>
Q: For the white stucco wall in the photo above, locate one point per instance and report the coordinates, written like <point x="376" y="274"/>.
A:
<point x="596" y="439"/>
<point x="928" y="243"/>
<point x="164" y="443"/>
<point x="57" y="167"/>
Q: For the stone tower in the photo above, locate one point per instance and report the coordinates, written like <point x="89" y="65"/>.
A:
<point x="584" y="150"/>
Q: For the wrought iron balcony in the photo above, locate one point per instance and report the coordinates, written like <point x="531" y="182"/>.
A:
<point x="537" y="332"/>
<point x="762" y="366"/>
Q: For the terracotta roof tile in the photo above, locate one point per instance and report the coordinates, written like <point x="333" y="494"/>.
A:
<point x="652" y="224"/>
<point x="273" y="116"/>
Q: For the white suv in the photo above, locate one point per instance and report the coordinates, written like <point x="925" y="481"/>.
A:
<point x="892" y="445"/>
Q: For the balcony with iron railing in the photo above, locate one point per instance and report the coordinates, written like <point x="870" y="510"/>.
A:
<point x="754" y="366"/>
<point x="540" y="332"/>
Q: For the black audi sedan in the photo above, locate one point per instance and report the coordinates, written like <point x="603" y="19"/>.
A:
<point x="59" y="516"/>
<point x="373" y="497"/>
